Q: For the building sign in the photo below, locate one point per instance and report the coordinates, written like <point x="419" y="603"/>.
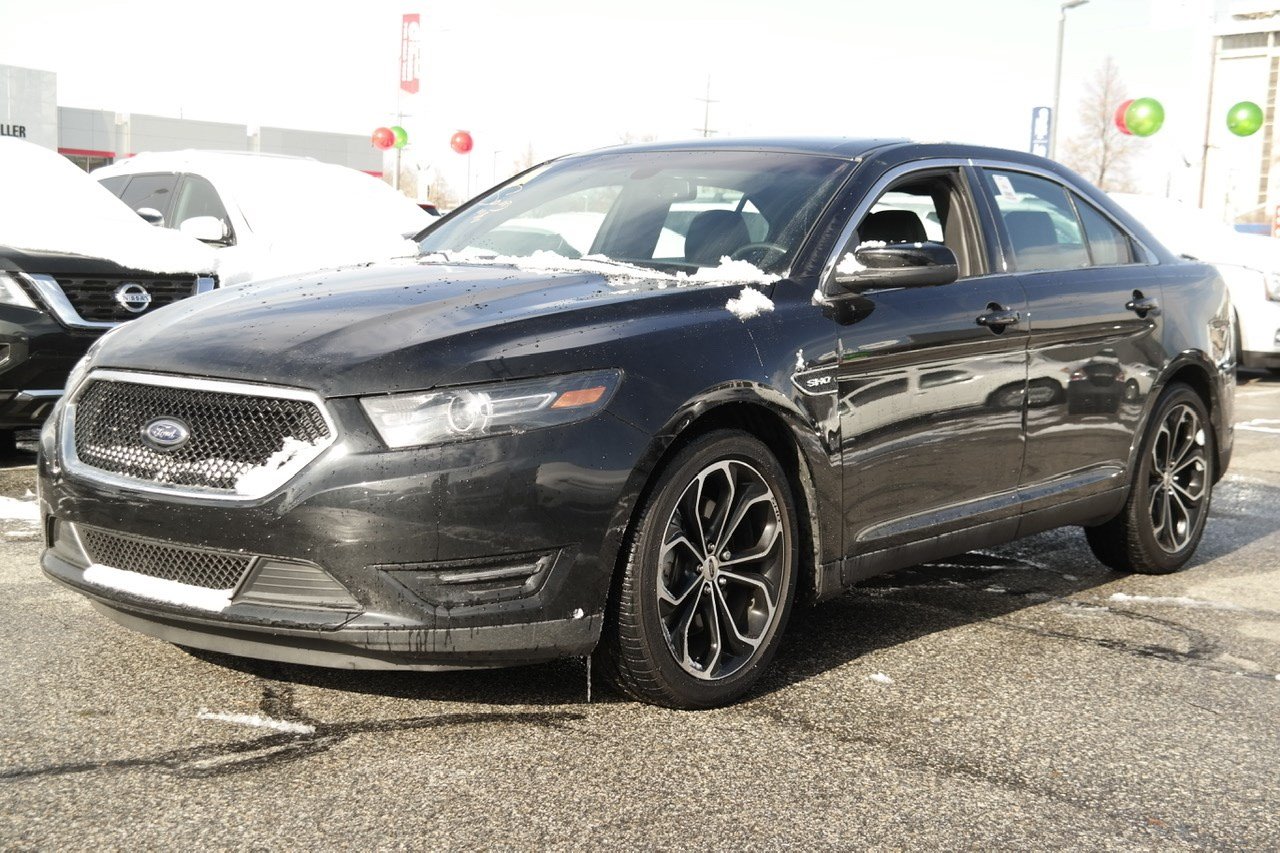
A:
<point x="409" y="53"/>
<point x="1041" y="128"/>
<point x="18" y="130"/>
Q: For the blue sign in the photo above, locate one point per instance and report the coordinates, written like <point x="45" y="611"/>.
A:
<point x="1041" y="129"/>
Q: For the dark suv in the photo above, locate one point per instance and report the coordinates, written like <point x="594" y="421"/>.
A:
<point x="52" y="307"/>
<point x="659" y="447"/>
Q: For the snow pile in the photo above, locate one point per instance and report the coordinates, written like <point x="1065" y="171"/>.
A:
<point x="750" y="303"/>
<point x="728" y="272"/>
<point x="15" y="509"/>
<point x="880" y="678"/>
<point x="48" y="204"/>
<point x="261" y="479"/>
<point x="158" y="589"/>
<point x="849" y="264"/>
<point x="257" y="721"/>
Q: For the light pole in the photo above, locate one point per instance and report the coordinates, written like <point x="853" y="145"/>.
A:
<point x="1057" y="74"/>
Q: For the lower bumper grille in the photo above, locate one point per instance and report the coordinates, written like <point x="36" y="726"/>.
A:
<point x="208" y="569"/>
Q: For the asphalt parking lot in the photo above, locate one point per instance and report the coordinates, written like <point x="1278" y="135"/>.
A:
<point x="1019" y="698"/>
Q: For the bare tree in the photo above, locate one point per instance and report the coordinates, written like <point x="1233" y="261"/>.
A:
<point x="527" y="159"/>
<point x="1100" y="151"/>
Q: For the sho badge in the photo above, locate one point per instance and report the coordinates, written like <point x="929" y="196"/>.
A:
<point x="166" y="433"/>
<point x="133" y="297"/>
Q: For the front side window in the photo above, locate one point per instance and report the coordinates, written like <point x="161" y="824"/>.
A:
<point x="668" y="210"/>
<point x="153" y="191"/>
<point x="1040" y="220"/>
<point x="197" y="197"/>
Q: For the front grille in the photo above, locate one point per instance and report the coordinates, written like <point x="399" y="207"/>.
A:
<point x="208" y="569"/>
<point x="230" y="434"/>
<point x="95" y="298"/>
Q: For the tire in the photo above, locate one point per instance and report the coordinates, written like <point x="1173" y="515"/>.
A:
<point x="1162" y="521"/>
<point x="693" y="630"/>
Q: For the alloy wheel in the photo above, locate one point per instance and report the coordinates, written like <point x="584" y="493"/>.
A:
<point x="1177" y="481"/>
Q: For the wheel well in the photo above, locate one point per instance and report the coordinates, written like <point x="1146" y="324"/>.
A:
<point x="770" y="428"/>
<point x="1196" y="378"/>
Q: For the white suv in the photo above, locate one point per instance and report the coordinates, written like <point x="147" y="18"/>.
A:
<point x="271" y="215"/>
<point x="1250" y="266"/>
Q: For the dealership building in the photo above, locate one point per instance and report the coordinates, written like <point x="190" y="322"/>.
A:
<point x="90" y="138"/>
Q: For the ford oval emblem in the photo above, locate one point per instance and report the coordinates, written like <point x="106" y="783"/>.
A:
<point x="166" y="433"/>
<point x="133" y="297"/>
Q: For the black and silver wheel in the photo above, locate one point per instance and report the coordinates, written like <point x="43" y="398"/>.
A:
<point x="1164" y="518"/>
<point x="709" y="577"/>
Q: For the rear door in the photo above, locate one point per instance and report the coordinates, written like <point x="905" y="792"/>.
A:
<point x="930" y="399"/>
<point x="1095" y="324"/>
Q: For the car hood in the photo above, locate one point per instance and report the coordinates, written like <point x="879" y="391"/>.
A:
<point x="389" y="327"/>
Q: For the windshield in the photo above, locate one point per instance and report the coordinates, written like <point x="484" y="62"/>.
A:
<point x="675" y="211"/>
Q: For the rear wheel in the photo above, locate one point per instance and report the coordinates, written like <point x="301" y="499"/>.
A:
<point x="1164" y="518"/>
<point x="709" y="578"/>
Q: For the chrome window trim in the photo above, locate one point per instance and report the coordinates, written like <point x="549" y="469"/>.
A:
<point x="52" y="295"/>
<point x="71" y="461"/>
<point x="902" y="169"/>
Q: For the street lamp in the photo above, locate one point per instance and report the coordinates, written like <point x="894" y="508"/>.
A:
<point x="1057" y="74"/>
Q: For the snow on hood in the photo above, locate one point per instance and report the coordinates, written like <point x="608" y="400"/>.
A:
<point x="50" y="205"/>
<point x="728" y="272"/>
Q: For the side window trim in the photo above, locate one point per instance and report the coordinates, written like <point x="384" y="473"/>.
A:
<point x="1148" y="258"/>
<point x="1076" y="201"/>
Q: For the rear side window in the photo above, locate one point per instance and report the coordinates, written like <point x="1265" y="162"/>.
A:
<point x="115" y="185"/>
<point x="1108" y="245"/>
<point x="154" y="191"/>
<point x="1040" y="221"/>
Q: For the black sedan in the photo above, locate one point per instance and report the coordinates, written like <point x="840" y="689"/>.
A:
<point x="645" y="400"/>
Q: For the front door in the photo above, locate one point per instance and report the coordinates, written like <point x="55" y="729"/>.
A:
<point x="931" y="381"/>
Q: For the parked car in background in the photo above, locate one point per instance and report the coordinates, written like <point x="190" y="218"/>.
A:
<point x="468" y="459"/>
<point x="74" y="262"/>
<point x="269" y="215"/>
<point x="1250" y="265"/>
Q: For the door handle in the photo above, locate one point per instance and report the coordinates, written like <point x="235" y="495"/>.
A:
<point x="998" y="317"/>
<point x="1140" y="304"/>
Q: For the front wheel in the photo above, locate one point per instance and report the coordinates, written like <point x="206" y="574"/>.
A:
<point x="1164" y="517"/>
<point x="709" y="578"/>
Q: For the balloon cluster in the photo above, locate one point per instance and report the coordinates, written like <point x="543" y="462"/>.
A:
<point x="1144" y="116"/>
<point x="389" y="137"/>
<point x="1139" y="116"/>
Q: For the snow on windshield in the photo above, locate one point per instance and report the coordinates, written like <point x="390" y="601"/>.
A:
<point x="49" y="205"/>
<point x="728" y="272"/>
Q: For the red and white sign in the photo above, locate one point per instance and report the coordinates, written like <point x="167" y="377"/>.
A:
<point x="409" y="53"/>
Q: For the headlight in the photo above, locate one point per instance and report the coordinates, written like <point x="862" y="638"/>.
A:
<point x="12" y="293"/>
<point x="457" y="414"/>
<point x="1273" y="286"/>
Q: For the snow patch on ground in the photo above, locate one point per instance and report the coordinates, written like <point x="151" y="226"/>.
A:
<point x="158" y="589"/>
<point x="880" y="678"/>
<point x="261" y="479"/>
<point x="258" y="721"/>
<point x="750" y="303"/>
<point x="50" y="205"/>
<point x="14" y="509"/>
<point x="1175" y="601"/>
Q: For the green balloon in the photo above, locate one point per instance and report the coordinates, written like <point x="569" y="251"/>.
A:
<point x="1244" y="118"/>
<point x="1144" y="116"/>
<point x="401" y="136"/>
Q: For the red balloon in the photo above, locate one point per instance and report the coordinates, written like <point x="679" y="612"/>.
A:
<point x="383" y="138"/>
<point x="1120" y="122"/>
<point x="461" y="142"/>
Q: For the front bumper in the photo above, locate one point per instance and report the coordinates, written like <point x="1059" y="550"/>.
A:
<point x="424" y="541"/>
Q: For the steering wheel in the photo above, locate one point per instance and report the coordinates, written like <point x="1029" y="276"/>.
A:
<point x="763" y="244"/>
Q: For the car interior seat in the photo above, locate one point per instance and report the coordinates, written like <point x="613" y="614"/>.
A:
<point x="713" y="234"/>
<point x="893" y="226"/>
<point x="1035" y="242"/>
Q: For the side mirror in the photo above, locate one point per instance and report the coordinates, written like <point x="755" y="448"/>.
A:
<point x="151" y="216"/>
<point x="206" y="229"/>
<point x="897" y="265"/>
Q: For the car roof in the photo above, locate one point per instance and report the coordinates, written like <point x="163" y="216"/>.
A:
<point x="191" y="159"/>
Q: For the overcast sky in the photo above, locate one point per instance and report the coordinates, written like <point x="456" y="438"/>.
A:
<point x="564" y="75"/>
